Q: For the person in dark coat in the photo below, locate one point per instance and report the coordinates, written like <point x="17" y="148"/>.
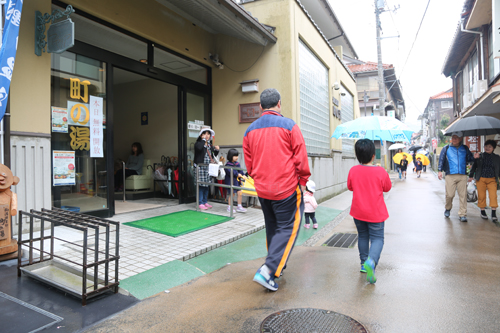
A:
<point x="486" y="170"/>
<point x="204" y="153"/>
<point x="232" y="160"/>
<point x="419" y="166"/>
<point x="403" y="165"/>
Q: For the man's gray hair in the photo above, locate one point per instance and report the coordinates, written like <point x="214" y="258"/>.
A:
<point x="269" y="98"/>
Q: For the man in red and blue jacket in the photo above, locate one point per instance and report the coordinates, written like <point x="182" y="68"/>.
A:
<point x="276" y="158"/>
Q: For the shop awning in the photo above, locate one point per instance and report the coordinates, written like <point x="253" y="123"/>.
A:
<point x="222" y="17"/>
<point x="488" y="104"/>
<point x="481" y="14"/>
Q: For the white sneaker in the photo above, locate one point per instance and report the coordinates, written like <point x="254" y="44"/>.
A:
<point x="240" y="209"/>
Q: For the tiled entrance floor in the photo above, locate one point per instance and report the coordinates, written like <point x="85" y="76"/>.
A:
<point x="141" y="250"/>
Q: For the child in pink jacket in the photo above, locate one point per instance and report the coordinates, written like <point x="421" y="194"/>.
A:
<point x="310" y="204"/>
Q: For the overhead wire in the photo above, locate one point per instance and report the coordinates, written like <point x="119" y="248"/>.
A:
<point x="416" y="36"/>
<point x="236" y="71"/>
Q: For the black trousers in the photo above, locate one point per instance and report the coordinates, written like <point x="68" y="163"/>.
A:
<point x="312" y="216"/>
<point x="119" y="176"/>
<point x="282" y="219"/>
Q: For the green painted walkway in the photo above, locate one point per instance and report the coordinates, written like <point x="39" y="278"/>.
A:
<point x="177" y="272"/>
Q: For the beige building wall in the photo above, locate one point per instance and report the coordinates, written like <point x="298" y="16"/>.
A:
<point x="307" y="32"/>
<point x="245" y="61"/>
<point x="153" y="21"/>
<point x="30" y="86"/>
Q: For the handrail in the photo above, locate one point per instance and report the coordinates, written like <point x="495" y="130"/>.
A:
<point x="124" y="199"/>
<point x="231" y="187"/>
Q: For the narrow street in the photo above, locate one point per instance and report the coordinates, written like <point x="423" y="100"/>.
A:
<point x="435" y="275"/>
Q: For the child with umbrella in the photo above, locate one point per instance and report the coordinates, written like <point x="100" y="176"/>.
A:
<point x="403" y="165"/>
<point x="419" y="166"/>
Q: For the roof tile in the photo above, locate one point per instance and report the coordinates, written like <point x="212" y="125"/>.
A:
<point x="442" y="95"/>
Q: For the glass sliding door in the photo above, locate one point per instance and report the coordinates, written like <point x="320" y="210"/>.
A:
<point x="196" y="117"/>
<point x="78" y="128"/>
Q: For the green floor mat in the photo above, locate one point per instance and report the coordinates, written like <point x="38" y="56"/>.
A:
<point x="179" y="223"/>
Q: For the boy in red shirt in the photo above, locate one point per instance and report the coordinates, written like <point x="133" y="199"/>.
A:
<point x="368" y="183"/>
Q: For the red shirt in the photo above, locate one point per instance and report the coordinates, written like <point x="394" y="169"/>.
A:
<point x="275" y="156"/>
<point x="368" y="184"/>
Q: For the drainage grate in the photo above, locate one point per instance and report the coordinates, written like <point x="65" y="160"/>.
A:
<point x="342" y="240"/>
<point x="310" y="320"/>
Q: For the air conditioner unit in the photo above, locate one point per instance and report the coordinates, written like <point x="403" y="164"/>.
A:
<point x="479" y="88"/>
<point x="467" y="100"/>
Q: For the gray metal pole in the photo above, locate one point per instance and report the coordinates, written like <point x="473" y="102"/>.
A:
<point x="381" y="84"/>
<point x="364" y="99"/>
<point x="231" y="198"/>
<point x="124" y="198"/>
<point x="197" y="188"/>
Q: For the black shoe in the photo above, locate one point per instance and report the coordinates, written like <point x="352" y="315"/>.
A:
<point x="463" y="219"/>
<point x="447" y="213"/>
<point x="494" y="219"/>
<point x="483" y="215"/>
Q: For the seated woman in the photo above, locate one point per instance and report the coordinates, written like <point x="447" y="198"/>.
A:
<point x="132" y="167"/>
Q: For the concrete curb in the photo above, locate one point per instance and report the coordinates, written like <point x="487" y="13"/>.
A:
<point x="222" y="243"/>
<point x="327" y="228"/>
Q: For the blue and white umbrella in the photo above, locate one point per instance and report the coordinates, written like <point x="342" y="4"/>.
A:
<point x="374" y="128"/>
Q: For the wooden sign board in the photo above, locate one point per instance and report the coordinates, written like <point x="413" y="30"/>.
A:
<point x="250" y="112"/>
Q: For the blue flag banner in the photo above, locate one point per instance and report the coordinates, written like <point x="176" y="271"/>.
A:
<point x="13" y="10"/>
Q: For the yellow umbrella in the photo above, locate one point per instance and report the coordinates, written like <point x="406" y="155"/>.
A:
<point x="249" y="183"/>
<point x="424" y="159"/>
<point x="399" y="156"/>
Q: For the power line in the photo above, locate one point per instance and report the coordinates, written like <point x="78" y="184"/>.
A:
<point x="395" y="25"/>
<point x="401" y="74"/>
<point x="236" y="71"/>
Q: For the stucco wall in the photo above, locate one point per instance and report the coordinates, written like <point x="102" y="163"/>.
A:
<point x="271" y="64"/>
<point x="30" y="86"/>
<point x="153" y="21"/>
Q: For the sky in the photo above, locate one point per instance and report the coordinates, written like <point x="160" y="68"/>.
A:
<point x="421" y="77"/>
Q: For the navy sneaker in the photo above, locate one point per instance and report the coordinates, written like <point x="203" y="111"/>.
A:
<point x="369" y="266"/>
<point x="265" y="279"/>
<point x="362" y="270"/>
<point x="447" y="213"/>
<point x="463" y="219"/>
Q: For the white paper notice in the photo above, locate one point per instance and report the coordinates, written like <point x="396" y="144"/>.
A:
<point x="96" y="130"/>
<point x="64" y="168"/>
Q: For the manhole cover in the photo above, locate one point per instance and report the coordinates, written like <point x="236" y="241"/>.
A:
<point x="342" y="240"/>
<point x="310" y="320"/>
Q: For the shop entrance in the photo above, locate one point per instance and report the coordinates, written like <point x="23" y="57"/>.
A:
<point x="145" y="93"/>
<point x="145" y="115"/>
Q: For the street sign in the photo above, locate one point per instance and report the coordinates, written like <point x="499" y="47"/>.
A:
<point x="61" y="36"/>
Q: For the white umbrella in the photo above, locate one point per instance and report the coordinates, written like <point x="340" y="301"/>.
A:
<point x="397" y="146"/>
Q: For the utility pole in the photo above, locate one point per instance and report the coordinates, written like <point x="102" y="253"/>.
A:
<point x="379" y="7"/>
<point x="365" y="99"/>
<point x="438" y="123"/>
<point x="381" y="85"/>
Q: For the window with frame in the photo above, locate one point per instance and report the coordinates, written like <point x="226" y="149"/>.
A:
<point x="314" y="102"/>
<point x="493" y="64"/>
<point x="347" y="113"/>
<point x="446" y="104"/>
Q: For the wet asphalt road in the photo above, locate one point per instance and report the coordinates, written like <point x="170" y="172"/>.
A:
<point x="435" y="275"/>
